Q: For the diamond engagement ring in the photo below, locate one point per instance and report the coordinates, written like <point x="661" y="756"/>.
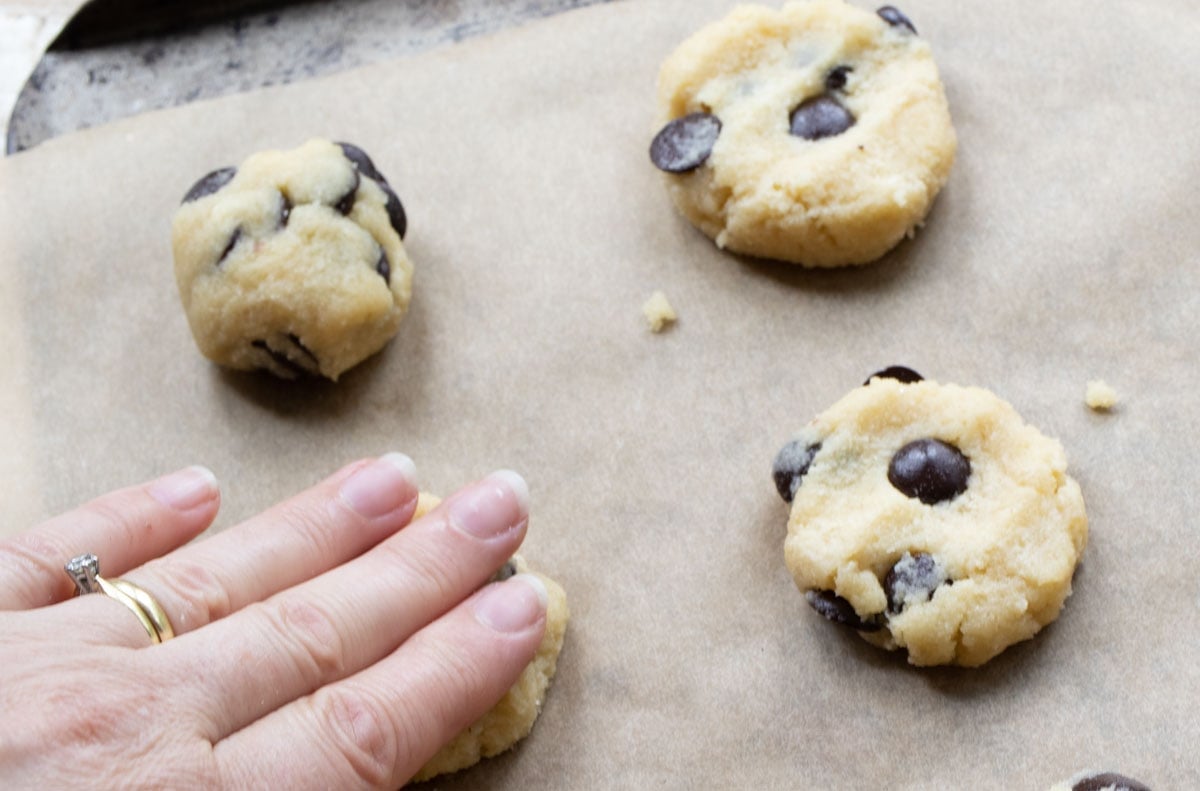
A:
<point x="85" y="571"/>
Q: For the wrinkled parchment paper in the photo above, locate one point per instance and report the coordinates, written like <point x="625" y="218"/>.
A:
<point x="1064" y="248"/>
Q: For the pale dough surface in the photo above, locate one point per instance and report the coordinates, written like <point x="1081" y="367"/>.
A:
<point x="845" y="199"/>
<point x="1100" y="395"/>
<point x="274" y="275"/>
<point x="1008" y="544"/>
<point x="658" y="312"/>
<point x="512" y="718"/>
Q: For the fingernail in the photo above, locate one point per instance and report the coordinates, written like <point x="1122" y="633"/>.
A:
<point x="185" y="489"/>
<point x="491" y="507"/>
<point x="380" y="487"/>
<point x="513" y="605"/>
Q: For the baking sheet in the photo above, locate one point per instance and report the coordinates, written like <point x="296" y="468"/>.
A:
<point x="1062" y="249"/>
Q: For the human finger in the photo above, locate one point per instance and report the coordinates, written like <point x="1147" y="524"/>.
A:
<point x="378" y="727"/>
<point x="123" y="529"/>
<point x="350" y="617"/>
<point x="301" y="538"/>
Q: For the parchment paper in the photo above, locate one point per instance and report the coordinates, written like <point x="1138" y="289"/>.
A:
<point x="1063" y="249"/>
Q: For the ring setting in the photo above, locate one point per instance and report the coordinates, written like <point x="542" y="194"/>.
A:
<point x="85" y="572"/>
<point x="84" y="569"/>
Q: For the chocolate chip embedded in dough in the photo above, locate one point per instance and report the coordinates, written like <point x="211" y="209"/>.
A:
<point x="395" y="210"/>
<point x="898" y="372"/>
<point x="895" y="17"/>
<point x="1109" y="780"/>
<point x="300" y="362"/>
<point x="363" y="164"/>
<point x="233" y="240"/>
<point x="820" y="117"/>
<point x="929" y="470"/>
<point x="209" y="184"/>
<point x="838" y="610"/>
<point x="383" y="267"/>
<point x="308" y="360"/>
<point x="361" y="161"/>
<point x="345" y="204"/>
<point x="791" y="464"/>
<point x="912" y="580"/>
<point x="836" y="79"/>
<point x="287" y="368"/>
<point x="507" y="570"/>
<point x="685" y="143"/>
<point x="285" y="210"/>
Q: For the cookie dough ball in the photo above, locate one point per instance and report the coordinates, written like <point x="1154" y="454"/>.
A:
<point x="512" y="718"/>
<point x="930" y="517"/>
<point x="1103" y="781"/>
<point x="816" y="134"/>
<point x="293" y="262"/>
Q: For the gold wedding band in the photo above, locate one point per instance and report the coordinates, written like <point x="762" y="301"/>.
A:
<point x="113" y="592"/>
<point x="150" y="608"/>
<point x="85" y="571"/>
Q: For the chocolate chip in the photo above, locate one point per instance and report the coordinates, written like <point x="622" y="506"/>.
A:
<point x="233" y="240"/>
<point x="930" y="470"/>
<point x="285" y="210"/>
<point x="819" y="117"/>
<point x="895" y="17"/>
<point x="283" y="365"/>
<point x="685" y="143"/>
<point x="363" y="164"/>
<point x="898" y="372"/>
<point x="383" y="267"/>
<point x="1109" y="780"/>
<point x="838" y="610"/>
<point x="300" y="362"/>
<point x="361" y="161"/>
<point x="395" y="210"/>
<point x="308" y="360"/>
<point x="210" y="184"/>
<point x="507" y="570"/>
<point x="345" y="203"/>
<point x="912" y="580"/>
<point x="791" y="463"/>
<point x="836" y="79"/>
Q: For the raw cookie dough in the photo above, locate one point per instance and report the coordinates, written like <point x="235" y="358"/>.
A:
<point x="931" y="517"/>
<point x="512" y="718"/>
<point x="1100" y="395"/>
<point x="1102" y="781"/>
<point x="816" y="134"/>
<point x="293" y="262"/>
<point x="658" y="312"/>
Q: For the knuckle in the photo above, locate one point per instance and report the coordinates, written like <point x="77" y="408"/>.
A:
<point x="430" y="563"/>
<point x="459" y="678"/>
<point x="30" y="561"/>
<point x="111" y="510"/>
<point x="312" y="522"/>
<point x="363" y="734"/>
<point x="203" y="597"/>
<point x="310" y="637"/>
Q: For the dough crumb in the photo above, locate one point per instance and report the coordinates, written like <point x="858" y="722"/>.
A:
<point x="1100" y="395"/>
<point x="658" y="312"/>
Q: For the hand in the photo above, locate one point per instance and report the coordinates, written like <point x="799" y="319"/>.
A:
<point x="326" y="643"/>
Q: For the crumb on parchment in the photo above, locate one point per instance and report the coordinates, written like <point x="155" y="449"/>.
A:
<point x="658" y="312"/>
<point x="1100" y="395"/>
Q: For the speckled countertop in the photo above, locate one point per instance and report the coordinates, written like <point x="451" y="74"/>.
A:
<point x="26" y="29"/>
<point x="99" y="81"/>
